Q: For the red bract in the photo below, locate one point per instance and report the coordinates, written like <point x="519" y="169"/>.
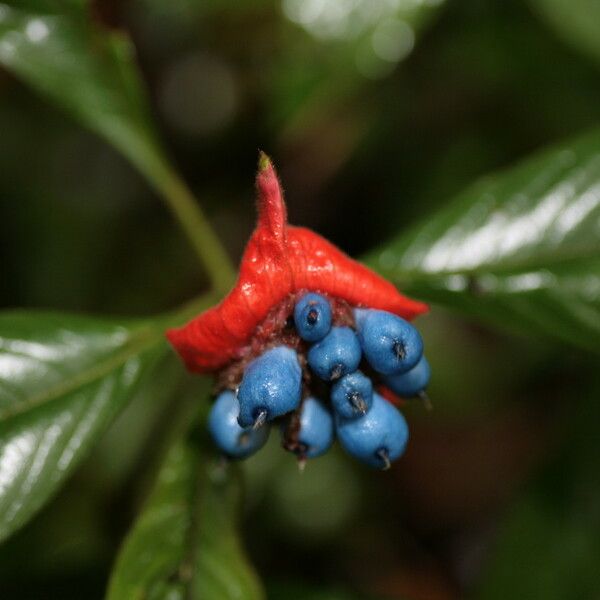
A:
<point x="280" y="260"/>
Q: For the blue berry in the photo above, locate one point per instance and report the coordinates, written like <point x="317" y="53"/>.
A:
<point x="271" y="386"/>
<point x="352" y="395"/>
<point x="336" y="354"/>
<point x="412" y="382"/>
<point x="231" y="439"/>
<point x="391" y="344"/>
<point x="312" y="317"/>
<point x="316" y="428"/>
<point x="376" y="438"/>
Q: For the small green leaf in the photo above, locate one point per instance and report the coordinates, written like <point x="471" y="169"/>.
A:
<point x="62" y="380"/>
<point x="521" y="248"/>
<point x="185" y="544"/>
<point x="576" y="21"/>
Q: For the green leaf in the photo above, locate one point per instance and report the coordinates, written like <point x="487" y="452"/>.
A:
<point x="62" y="380"/>
<point x="185" y="544"/>
<point x="576" y="21"/>
<point x="521" y="248"/>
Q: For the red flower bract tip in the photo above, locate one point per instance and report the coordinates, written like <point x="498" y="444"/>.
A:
<point x="279" y="261"/>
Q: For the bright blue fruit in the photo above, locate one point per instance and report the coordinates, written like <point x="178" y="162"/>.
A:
<point x="316" y="428"/>
<point x="391" y="344"/>
<point x="312" y="317"/>
<point x="271" y="387"/>
<point x="337" y="354"/>
<point x="352" y="395"/>
<point x="231" y="439"/>
<point x="412" y="382"/>
<point x="376" y="438"/>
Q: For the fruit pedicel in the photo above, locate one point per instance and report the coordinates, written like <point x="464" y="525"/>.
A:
<point x="310" y="340"/>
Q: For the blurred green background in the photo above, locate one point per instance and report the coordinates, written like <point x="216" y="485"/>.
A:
<point x="376" y="112"/>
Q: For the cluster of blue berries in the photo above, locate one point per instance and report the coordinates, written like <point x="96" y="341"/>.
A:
<point x="323" y="387"/>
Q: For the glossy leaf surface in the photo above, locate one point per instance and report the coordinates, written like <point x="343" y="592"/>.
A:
<point x="520" y="248"/>
<point x="185" y="544"/>
<point x="62" y="380"/>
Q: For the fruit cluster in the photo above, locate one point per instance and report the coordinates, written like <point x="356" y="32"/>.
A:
<point x="310" y="339"/>
<point x="317" y="379"/>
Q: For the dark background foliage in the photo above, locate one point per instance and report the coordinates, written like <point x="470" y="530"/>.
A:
<point x="377" y="115"/>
